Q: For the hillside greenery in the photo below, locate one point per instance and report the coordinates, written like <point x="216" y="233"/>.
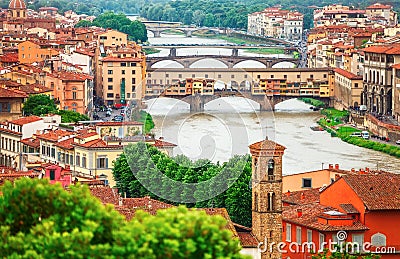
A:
<point x="222" y="13"/>
<point x="135" y="29"/>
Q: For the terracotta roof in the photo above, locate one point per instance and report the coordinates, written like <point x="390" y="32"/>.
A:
<point x="84" y="135"/>
<point x="25" y="120"/>
<point x="378" y="192"/>
<point x="116" y="59"/>
<point x="98" y="143"/>
<point x="379" y="6"/>
<point x="11" y="93"/>
<point x="70" y="76"/>
<point x="161" y="143"/>
<point x="309" y="218"/>
<point x="54" y="135"/>
<point x="301" y="197"/>
<point x="85" y="52"/>
<point x="266" y="144"/>
<point x="347" y="74"/>
<point x="9" y="58"/>
<point x="31" y="142"/>
<point x="349" y="208"/>
<point x="17" y="4"/>
<point x="383" y="49"/>
<point x="145" y="203"/>
<point x="34" y="89"/>
<point x="246" y="237"/>
<point x="105" y="194"/>
<point x="66" y="144"/>
<point x="118" y="123"/>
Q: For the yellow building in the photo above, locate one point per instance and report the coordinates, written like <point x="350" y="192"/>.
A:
<point x="348" y="89"/>
<point x="119" y="129"/>
<point x="11" y="102"/>
<point x="112" y="38"/>
<point x="122" y="75"/>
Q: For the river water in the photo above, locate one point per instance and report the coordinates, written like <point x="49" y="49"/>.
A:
<point x="229" y="125"/>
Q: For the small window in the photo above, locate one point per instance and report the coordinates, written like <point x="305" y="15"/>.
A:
<point x="133" y="72"/>
<point x="110" y="72"/>
<point x="298" y="235"/>
<point x="123" y="72"/>
<point x="288" y="232"/>
<point x="52" y="175"/>
<point x="110" y="87"/>
<point x="123" y="64"/>
<point x="307" y="183"/>
<point x="110" y="79"/>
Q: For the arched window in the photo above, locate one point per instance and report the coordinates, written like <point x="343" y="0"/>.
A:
<point x="270" y="168"/>
<point x="378" y="239"/>
<point x="271" y="201"/>
<point x="74" y="104"/>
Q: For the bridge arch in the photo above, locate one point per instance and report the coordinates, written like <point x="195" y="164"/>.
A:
<point x="283" y="64"/>
<point x="249" y="64"/>
<point x="167" y="63"/>
<point x="197" y="62"/>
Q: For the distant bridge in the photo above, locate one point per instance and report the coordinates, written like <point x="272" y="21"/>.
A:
<point x="229" y="61"/>
<point x="219" y="46"/>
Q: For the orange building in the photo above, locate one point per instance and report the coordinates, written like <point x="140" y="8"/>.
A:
<point x="361" y="210"/>
<point x="72" y="91"/>
<point x="30" y="52"/>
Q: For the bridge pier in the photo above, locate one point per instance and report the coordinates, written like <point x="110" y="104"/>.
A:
<point x="188" y="34"/>
<point x="172" y="52"/>
<point x="157" y="34"/>
<point x="235" y="52"/>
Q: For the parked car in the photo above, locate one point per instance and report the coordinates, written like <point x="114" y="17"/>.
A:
<point x="355" y="134"/>
<point x="365" y="134"/>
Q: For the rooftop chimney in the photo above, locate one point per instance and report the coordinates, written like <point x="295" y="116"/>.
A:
<point x="330" y="166"/>
<point x="353" y="170"/>
<point x="337" y="166"/>
<point x="288" y="194"/>
<point x="367" y="169"/>
<point x="299" y="213"/>
<point x="303" y="196"/>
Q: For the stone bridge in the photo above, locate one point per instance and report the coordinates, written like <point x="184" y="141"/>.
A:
<point x="229" y="61"/>
<point x="186" y="30"/>
<point x="266" y="102"/>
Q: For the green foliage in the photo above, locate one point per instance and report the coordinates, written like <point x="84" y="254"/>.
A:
<point x="39" y="105"/>
<point x="68" y="116"/>
<point x="178" y="233"/>
<point x="135" y="29"/>
<point x="313" y="102"/>
<point x="145" y="118"/>
<point x="236" y="199"/>
<point x="41" y="220"/>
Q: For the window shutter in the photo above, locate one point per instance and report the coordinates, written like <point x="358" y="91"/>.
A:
<point x="97" y="163"/>
<point x="59" y="156"/>
<point x="106" y="162"/>
<point x="8" y="107"/>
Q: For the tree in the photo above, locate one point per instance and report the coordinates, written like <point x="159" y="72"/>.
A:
<point x="144" y="170"/>
<point x="39" y="105"/>
<point x="41" y="220"/>
<point x="68" y="116"/>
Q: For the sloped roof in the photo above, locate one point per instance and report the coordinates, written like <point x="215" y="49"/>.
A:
<point x="378" y="192"/>
<point x="266" y="144"/>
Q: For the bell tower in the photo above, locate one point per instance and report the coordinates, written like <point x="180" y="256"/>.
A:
<point x="267" y="195"/>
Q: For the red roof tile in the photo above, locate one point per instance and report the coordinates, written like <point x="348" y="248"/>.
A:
<point x="309" y="218"/>
<point x="378" y="192"/>
<point x="66" y="144"/>
<point x="379" y="6"/>
<point x="116" y="59"/>
<point x="25" y="120"/>
<point x="266" y="144"/>
<point x="301" y="197"/>
<point x="54" y="135"/>
<point x="105" y="194"/>
<point x="11" y="93"/>
<point x="161" y="143"/>
<point x="347" y="74"/>
<point x="31" y="142"/>
<point x="98" y="143"/>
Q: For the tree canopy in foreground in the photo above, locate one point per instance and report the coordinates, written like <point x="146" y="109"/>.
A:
<point x="40" y="220"/>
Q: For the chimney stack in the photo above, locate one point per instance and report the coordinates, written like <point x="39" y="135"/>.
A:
<point x="299" y="213"/>
<point x="337" y="166"/>
<point x="330" y="166"/>
<point x="353" y="170"/>
<point x="288" y="194"/>
<point x="303" y="196"/>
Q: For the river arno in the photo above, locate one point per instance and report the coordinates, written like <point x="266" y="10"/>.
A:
<point x="229" y="125"/>
<point x="222" y="131"/>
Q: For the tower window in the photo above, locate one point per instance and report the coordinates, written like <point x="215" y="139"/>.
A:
<point x="271" y="166"/>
